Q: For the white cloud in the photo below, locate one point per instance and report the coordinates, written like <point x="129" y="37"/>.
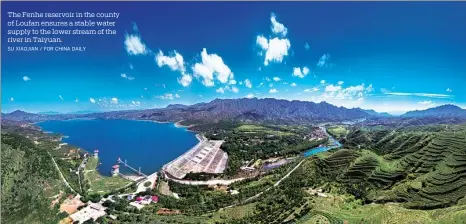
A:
<point x="12" y="99"/>
<point x="267" y="79"/>
<point x="59" y="96"/>
<point x="426" y="102"/>
<point x="220" y="90"/>
<point x="260" y="84"/>
<point x="136" y="103"/>
<point x="369" y="88"/>
<point x="211" y="65"/>
<point x="250" y="95"/>
<point x="301" y="73"/>
<point x="306" y="46"/>
<point x="340" y="83"/>
<point x="271" y="85"/>
<point x="92" y="100"/>
<point x="248" y="83"/>
<point x="262" y="42"/>
<point x="277" y="50"/>
<point x="277" y="28"/>
<point x="114" y="100"/>
<point x="168" y="96"/>
<point x="276" y="79"/>
<point x="234" y="89"/>
<point x="175" y="62"/>
<point x="293" y="84"/>
<point x="449" y="90"/>
<point x="323" y="61"/>
<point x="25" y="78"/>
<point x="313" y="89"/>
<point x="134" y="45"/>
<point x="131" y="66"/>
<point x="77" y="100"/>
<point x="430" y="95"/>
<point x="185" y="80"/>
<point x="332" y="88"/>
<point x="322" y="82"/>
<point x="123" y="75"/>
<point x="273" y="91"/>
<point x="232" y="82"/>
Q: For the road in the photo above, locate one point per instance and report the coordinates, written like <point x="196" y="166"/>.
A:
<point x="61" y="174"/>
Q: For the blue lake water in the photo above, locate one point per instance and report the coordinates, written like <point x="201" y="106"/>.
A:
<point x="144" y="144"/>
<point x="333" y="144"/>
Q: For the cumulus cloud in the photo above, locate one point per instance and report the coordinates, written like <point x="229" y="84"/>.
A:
<point x="59" y="96"/>
<point x="271" y="85"/>
<point x="273" y="90"/>
<point x="260" y="84"/>
<point x="232" y="82"/>
<point x="220" y="90"/>
<point x="114" y="100"/>
<point x="92" y="100"/>
<point x="136" y="103"/>
<point x="227" y="88"/>
<point x="175" y="61"/>
<point x="323" y="61"/>
<point x="340" y="83"/>
<point x="322" y="82"/>
<point x="301" y="73"/>
<point x="274" y="49"/>
<point x="185" y="80"/>
<point x="293" y="84"/>
<point x="210" y="68"/>
<point x="277" y="28"/>
<point x="12" y="99"/>
<point x="332" y="88"/>
<point x="276" y="79"/>
<point x="134" y="45"/>
<point x="234" y="89"/>
<point x="77" y="100"/>
<point x="449" y="90"/>
<point x="248" y="83"/>
<point x="25" y="78"/>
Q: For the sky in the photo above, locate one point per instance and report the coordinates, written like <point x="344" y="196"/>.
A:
<point x="387" y="56"/>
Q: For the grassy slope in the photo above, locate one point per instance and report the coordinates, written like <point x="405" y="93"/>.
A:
<point x="101" y="184"/>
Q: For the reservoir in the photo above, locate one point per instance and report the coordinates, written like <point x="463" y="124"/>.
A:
<point x="144" y="144"/>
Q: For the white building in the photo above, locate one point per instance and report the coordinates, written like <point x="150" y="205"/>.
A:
<point x="92" y="211"/>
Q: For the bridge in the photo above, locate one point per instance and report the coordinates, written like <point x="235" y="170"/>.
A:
<point x="125" y="163"/>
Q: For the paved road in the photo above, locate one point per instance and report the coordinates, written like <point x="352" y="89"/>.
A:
<point x="61" y="174"/>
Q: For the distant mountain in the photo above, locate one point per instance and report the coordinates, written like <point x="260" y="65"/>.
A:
<point x="375" y="113"/>
<point x="244" y="109"/>
<point x="256" y="110"/>
<point x="448" y="110"/>
<point x="49" y="112"/>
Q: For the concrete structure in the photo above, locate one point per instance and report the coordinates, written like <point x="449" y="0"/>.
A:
<point x="92" y="211"/>
<point x="206" y="157"/>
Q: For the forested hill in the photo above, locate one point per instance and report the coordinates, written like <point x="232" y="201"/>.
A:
<point x="29" y="182"/>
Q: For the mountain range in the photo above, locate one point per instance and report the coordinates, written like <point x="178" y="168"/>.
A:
<point x="245" y="109"/>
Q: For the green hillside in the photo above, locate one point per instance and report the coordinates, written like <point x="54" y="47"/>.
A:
<point x="30" y="183"/>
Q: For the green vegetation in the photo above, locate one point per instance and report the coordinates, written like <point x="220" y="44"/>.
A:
<point x="30" y="182"/>
<point x="99" y="184"/>
<point x="338" y="131"/>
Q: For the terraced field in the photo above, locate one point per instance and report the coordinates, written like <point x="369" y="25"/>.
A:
<point x="422" y="169"/>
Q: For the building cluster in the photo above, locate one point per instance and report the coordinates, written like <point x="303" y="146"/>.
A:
<point x="140" y="201"/>
<point x="317" y="134"/>
<point x="88" y="211"/>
